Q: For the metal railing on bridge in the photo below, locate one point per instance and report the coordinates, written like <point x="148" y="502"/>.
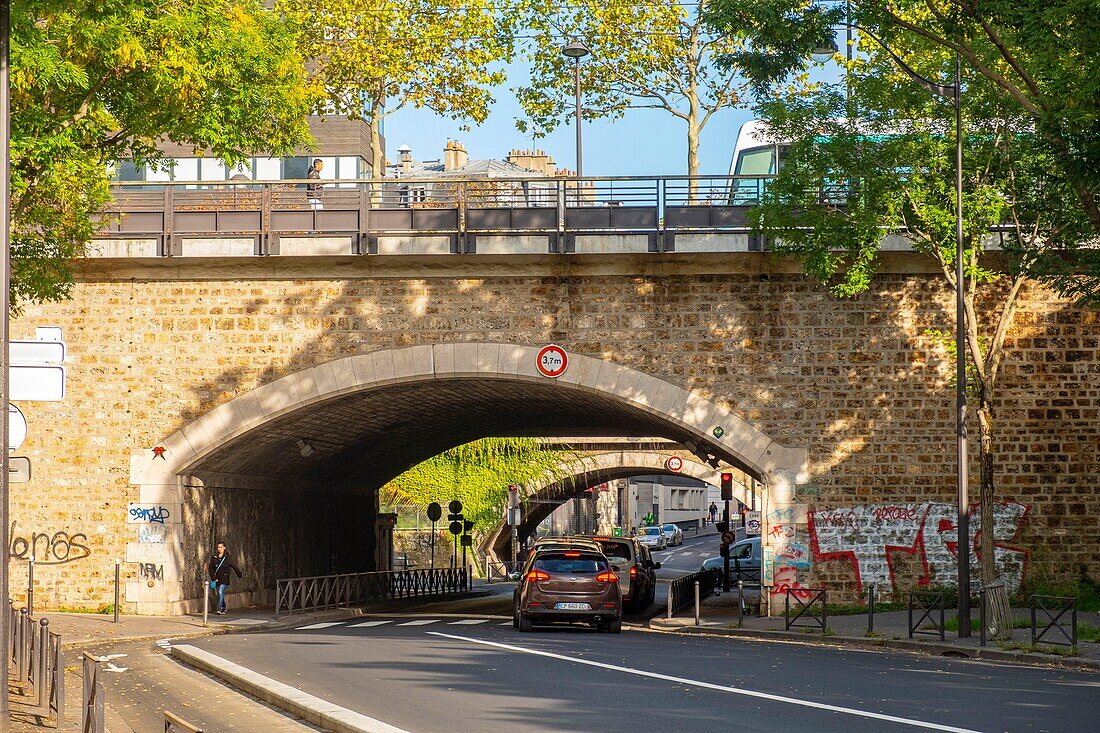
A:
<point x="263" y="213"/>
<point x="300" y="595"/>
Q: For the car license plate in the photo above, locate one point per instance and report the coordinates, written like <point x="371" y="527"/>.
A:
<point x="572" y="607"/>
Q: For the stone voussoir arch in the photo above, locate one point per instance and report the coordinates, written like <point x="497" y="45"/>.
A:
<point x="739" y="441"/>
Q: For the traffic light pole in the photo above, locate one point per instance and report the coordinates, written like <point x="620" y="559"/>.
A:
<point x="726" y="559"/>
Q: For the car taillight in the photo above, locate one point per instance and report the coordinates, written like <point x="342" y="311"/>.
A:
<point x="633" y="571"/>
<point x="607" y="577"/>
<point x="536" y="576"/>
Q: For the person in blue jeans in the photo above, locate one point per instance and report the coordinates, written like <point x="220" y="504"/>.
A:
<point x="219" y="569"/>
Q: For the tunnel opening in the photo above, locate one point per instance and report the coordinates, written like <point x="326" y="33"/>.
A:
<point x="289" y="473"/>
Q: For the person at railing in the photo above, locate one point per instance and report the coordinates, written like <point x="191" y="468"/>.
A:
<point x="314" y="191"/>
<point x="219" y="568"/>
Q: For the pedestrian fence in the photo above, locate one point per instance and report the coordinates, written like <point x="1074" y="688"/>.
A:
<point x="175" y="724"/>
<point x="300" y="595"/>
<point x="38" y="661"/>
<point x="682" y="591"/>
<point x="810" y="608"/>
<point x="1049" y="611"/>
<point x="92" y="716"/>
<point x="923" y="606"/>
<point x="500" y="570"/>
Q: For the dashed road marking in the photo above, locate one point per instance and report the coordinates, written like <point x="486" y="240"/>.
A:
<point x="420" y="622"/>
<point x="324" y="625"/>
<point x="370" y="623"/>
<point x="468" y="622"/>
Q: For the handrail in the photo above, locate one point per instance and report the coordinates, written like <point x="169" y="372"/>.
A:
<point x="317" y="592"/>
<point x="681" y="591"/>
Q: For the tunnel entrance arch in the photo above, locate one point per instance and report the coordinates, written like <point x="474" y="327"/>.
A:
<point x="575" y="477"/>
<point x="343" y="428"/>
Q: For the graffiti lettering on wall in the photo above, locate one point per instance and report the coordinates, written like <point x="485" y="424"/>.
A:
<point x="49" y="549"/>
<point x="151" y="534"/>
<point x="150" y="513"/>
<point x="151" y="571"/>
<point x="872" y="536"/>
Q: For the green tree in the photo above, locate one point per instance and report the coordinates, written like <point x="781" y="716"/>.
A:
<point x="375" y="57"/>
<point x="477" y="474"/>
<point x="846" y="181"/>
<point x="654" y="55"/>
<point x="1043" y="58"/>
<point x="95" y="83"/>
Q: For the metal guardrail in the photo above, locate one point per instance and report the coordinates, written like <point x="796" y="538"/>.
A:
<point x="92" y="716"/>
<point x="299" y="595"/>
<point x="927" y="603"/>
<point x="809" y="614"/>
<point x="1053" y="609"/>
<point x="460" y="209"/>
<point x="681" y="591"/>
<point x="175" y="724"/>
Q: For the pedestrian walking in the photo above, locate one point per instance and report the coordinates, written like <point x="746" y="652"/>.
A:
<point x="314" y="191"/>
<point x="219" y="569"/>
<point x="713" y="512"/>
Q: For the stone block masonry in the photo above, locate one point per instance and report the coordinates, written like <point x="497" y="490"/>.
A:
<point x="858" y="383"/>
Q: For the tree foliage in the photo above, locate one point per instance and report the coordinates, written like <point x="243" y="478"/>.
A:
<point x="654" y="55"/>
<point x="1041" y="59"/>
<point x="477" y="474"/>
<point x="96" y="82"/>
<point x="375" y="57"/>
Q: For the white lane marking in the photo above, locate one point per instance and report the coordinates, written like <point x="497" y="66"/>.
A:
<point x="507" y="623"/>
<point x="686" y="553"/>
<point x="712" y="686"/>
<point x="111" y="667"/>
<point x="468" y="622"/>
<point x="368" y="624"/>
<point x="164" y="643"/>
<point x="109" y="657"/>
<point x="420" y="622"/>
<point x="324" y="625"/>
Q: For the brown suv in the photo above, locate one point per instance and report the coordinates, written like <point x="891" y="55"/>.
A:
<point x="568" y="586"/>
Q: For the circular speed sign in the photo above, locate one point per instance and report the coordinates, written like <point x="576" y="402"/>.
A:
<point x="674" y="463"/>
<point x="551" y="361"/>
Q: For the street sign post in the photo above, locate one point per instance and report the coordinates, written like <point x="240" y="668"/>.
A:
<point x="36" y="382"/>
<point x="36" y="352"/>
<point x="752" y="523"/>
<point x="728" y="538"/>
<point x="19" y="469"/>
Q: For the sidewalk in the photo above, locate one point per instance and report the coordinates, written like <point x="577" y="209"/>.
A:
<point x="891" y="631"/>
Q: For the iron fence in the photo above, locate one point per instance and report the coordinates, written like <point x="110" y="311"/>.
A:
<point x="681" y="592"/>
<point x="500" y="570"/>
<point x="299" y="595"/>
<point x="926" y="603"/>
<point x="1053" y="608"/>
<point x="175" y="724"/>
<point x="811" y="608"/>
<point x="37" y="660"/>
<point x="92" y="715"/>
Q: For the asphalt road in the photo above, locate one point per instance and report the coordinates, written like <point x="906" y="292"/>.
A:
<point x="447" y="673"/>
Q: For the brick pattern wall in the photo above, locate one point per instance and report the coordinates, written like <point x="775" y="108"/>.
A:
<point x="858" y="382"/>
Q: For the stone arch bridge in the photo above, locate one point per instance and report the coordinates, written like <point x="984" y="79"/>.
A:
<point x="264" y="399"/>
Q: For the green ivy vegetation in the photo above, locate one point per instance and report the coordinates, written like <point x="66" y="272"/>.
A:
<point x="478" y="475"/>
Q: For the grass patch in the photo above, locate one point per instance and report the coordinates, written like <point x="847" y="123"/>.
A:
<point x="860" y="609"/>
<point x="1086" y="591"/>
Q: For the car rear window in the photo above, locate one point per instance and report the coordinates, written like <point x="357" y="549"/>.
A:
<point x="616" y="551"/>
<point x="572" y="565"/>
<point x="653" y="530"/>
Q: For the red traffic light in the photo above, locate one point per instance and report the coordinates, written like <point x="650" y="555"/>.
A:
<point x="727" y="487"/>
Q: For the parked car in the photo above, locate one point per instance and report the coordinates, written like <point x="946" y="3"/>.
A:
<point x="675" y="534"/>
<point x="636" y="569"/>
<point x="744" y="562"/>
<point x="568" y="586"/>
<point x="653" y="537"/>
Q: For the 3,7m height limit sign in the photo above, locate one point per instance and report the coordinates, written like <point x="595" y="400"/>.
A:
<point x="552" y="361"/>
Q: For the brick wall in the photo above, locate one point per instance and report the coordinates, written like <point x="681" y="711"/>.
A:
<point x="857" y="382"/>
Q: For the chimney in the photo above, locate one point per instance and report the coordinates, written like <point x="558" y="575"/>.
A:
<point x="533" y="160"/>
<point x="406" y="158"/>
<point x="454" y="156"/>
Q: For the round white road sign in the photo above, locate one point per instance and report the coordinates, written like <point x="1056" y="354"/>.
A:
<point x="17" y="428"/>
<point x="674" y="463"/>
<point x="551" y="361"/>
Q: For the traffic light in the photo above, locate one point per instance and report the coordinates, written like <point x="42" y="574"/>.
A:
<point x="727" y="487"/>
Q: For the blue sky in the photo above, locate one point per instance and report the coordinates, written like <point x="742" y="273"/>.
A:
<point x="643" y="142"/>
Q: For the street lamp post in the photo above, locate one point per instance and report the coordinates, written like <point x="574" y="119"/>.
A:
<point x="952" y="92"/>
<point x="5" y="298"/>
<point x="576" y="50"/>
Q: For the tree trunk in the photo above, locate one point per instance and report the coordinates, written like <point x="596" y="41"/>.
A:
<point x="693" y="154"/>
<point x="378" y="156"/>
<point x="998" y="610"/>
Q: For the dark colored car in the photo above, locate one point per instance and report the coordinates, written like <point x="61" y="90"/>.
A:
<point x="568" y="586"/>
<point x="637" y="571"/>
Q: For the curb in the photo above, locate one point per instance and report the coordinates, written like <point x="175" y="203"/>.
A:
<point x="917" y="647"/>
<point x="291" y="700"/>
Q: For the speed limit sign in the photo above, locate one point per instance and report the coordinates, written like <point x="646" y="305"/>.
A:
<point x="551" y="361"/>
